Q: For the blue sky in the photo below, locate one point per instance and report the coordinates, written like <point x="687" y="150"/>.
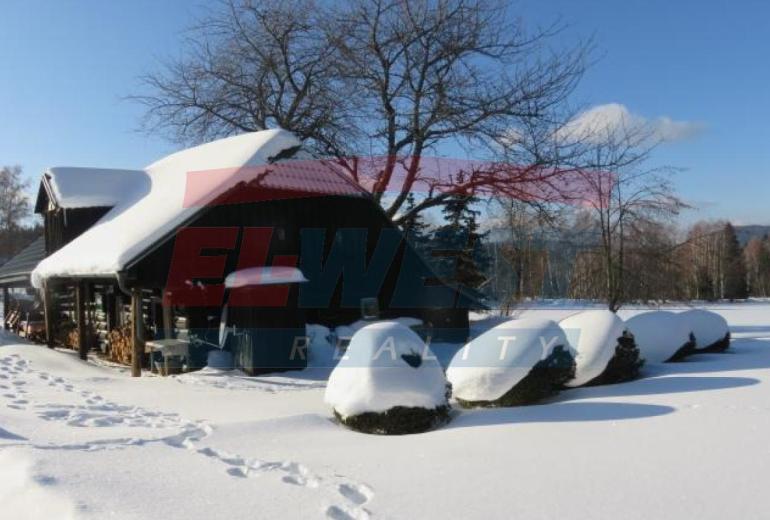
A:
<point x="66" y="65"/>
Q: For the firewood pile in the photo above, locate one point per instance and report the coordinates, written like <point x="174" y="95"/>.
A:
<point x="67" y="334"/>
<point x="72" y="341"/>
<point x="120" y="346"/>
<point x="120" y="350"/>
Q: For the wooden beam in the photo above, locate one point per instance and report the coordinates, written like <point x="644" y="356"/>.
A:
<point x="48" y="315"/>
<point x="88" y="299"/>
<point x="80" y="320"/>
<point x="6" y="307"/>
<point x="118" y="308"/>
<point x="168" y="318"/>
<point x="137" y="332"/>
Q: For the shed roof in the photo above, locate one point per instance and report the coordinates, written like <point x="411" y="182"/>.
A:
<point x="70" y="188"/>
<point x="17" y="270"/>
<point x="169" y="193"/>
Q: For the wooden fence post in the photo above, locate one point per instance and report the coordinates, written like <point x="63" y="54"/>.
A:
<point x="137" y="332"/>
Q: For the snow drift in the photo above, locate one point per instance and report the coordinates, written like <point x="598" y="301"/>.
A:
<point x="711" y="332"/>
<point x="516" y="362"/>
<point x="388" y="382"/>
<point x="594" y="336"/>
<point x="661" y="336"/>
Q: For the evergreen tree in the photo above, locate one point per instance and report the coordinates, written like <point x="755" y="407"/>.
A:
<point x="414" y="227"/>
<point x="458" y="245"/>
<point x="734" y="266"/>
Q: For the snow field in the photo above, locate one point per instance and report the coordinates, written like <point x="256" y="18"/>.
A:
<point x="219" y="445"/>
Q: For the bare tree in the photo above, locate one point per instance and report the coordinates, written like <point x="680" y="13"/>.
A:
<point x="387" y="79"/>
<point x="251" y="66"/>
<point x="14" y="203"/>
<point x="757" y="253"/>
<point x="624" y="195"/>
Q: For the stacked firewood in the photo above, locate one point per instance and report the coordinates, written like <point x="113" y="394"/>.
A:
<point x="72" y="339"/>
<point x="120" y="350"/>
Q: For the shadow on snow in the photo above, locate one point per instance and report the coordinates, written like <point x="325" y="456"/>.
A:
<point x="557" y="412"/>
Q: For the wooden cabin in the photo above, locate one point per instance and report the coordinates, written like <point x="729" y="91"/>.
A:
<point x="149" y="260"/>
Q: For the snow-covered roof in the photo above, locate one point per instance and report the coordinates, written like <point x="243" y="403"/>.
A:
<point x="90" y="187"/>
<point x="269" y="275"/>
<point x="176" y="188"/>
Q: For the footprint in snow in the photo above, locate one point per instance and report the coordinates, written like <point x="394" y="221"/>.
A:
<point x="299" y="475"/>
<point x="238" y="472"/>
<point x="346" y="513"/>
<point x="98" y="412"/>
<point x="359" y="494"/>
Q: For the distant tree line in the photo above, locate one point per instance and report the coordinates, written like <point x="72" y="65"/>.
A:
<point x="660" y="263"/>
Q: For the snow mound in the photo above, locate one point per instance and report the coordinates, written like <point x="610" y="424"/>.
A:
<point x="349" y="330"/>
<point x="494" y="364"/>
<point x="594" y="336"/>
<point x="386" y="367"/>
<point x="660" y="335"/>
<point x="709" y="328"/>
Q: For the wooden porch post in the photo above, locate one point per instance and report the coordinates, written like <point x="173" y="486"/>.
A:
<point x="168" y="321"/>
<point x="80" y="319"/>
<point x="48" y="312"/>
<point x="118" y="308"/>
<point x="137" y="332"/>
<point x="6" y="306"/>
<point x="88" y="298"/>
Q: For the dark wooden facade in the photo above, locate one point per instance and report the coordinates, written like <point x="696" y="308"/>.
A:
<point x="345" y="245"/>
<point x="63" y="225"/>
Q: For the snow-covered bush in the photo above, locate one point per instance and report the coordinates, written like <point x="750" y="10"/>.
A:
<point x="517" y="362"/>
<point x="624" y="365"/>
<point x="661" y="336"/>
<point x="604" y="353"/>
<point x="388" y="382"/>
<point x="710" y="330"/>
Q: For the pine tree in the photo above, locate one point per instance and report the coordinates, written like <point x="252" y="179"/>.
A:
<point x="415" y="229"/>
<point x="734" y="266"/>
<point x="458" y="244"/>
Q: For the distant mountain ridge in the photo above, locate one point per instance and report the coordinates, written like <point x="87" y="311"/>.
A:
<point x="746" y="233"/>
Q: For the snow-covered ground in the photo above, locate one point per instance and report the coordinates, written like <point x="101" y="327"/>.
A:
<point x="83" y="440"/>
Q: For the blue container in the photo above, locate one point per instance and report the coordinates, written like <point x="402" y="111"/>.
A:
<point x="220" y="359"/>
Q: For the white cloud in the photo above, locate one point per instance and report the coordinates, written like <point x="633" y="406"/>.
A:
<point x="615" y="119"/>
